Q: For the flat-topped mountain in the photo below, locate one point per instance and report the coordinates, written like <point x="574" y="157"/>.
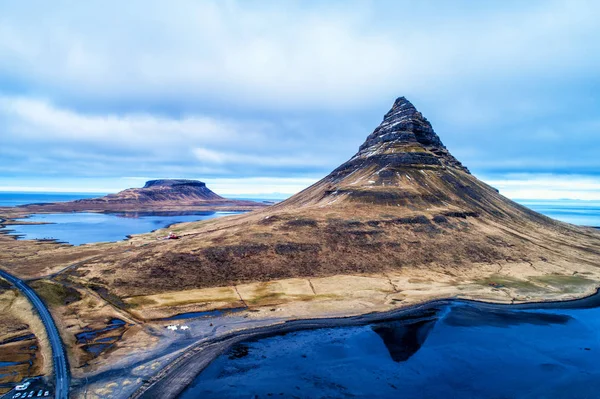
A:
<point x="165" y="190"/>
<point x="173" y="183"/>
<point x="402" y="203"/>
<point x="163" y="195"/>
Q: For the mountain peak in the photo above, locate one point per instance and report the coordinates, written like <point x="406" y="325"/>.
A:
<point x="402" y="102"/>
<point x="406" y="138"/>
<point x="390" y="167"/>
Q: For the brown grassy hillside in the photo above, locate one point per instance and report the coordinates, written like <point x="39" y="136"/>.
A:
<point x="402" y="202"/>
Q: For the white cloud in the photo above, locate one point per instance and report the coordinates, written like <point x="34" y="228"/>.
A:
<point x="282" y="55"/>
<point x="233" y="158"/>
<point x="38" y="120"/>
<point x="106" y="88"/>
<point x="269" y="187"/>
<point x="39" y="138"/>
<point x="260" y="185"/>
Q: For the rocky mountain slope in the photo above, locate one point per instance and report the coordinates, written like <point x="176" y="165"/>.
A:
<point x="168" y="194"/>
<point x="403" y="202"/>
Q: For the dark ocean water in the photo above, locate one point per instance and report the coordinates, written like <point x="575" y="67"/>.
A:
<point x="453" y="351"/>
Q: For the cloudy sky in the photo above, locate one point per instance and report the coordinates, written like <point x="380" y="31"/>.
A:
<point x="260" y="97"/>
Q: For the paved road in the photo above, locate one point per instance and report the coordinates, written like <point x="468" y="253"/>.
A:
<point x="59" y="358"/>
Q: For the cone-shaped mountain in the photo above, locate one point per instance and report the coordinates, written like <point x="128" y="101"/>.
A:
<point x="403" y="202"/>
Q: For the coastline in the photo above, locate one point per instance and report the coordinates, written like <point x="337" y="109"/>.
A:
<point x="6" y="223"/>
<point x="174" y="378"/>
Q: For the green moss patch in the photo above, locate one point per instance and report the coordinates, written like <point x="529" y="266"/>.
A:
<point x="522" y="286"/>
<point x="55" y="294"/>
<point x="564" y="283"/>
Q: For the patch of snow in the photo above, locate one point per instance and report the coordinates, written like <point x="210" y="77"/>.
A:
<point x="359" y="179"/>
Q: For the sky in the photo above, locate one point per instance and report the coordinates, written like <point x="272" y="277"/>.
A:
<point x="267" y="97"/>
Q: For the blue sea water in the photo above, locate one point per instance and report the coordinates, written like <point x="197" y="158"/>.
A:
<point x="22" y="198"/>
<point x="459" y="350"/>
<point x="583" y="213"/>
<point x="83" y="228"/>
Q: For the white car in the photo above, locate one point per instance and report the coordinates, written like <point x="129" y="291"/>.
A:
<point x="22" y="387"/>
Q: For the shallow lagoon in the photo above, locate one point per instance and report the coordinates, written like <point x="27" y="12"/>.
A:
<point x="459" y="350"/>
<point x="82" y="228"/>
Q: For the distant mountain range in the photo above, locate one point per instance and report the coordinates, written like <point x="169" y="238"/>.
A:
<point x="167" y="194"/>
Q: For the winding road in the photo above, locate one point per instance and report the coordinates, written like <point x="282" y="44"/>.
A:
<point x="59" y="358"/>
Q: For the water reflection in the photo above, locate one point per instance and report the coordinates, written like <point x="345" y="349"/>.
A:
<point x="460" y="349"/>
<point x="402" y="339"/>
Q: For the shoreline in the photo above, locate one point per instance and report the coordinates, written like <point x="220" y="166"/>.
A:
<point x="175" y="377"/>
<point x="11" y="233"/>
